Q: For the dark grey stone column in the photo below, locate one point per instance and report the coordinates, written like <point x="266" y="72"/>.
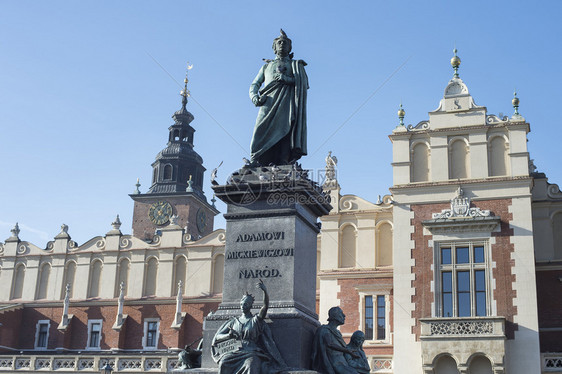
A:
<point x="271" y="234"/>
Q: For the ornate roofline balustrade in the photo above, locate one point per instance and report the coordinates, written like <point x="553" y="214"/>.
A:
<point x="88" y="363"/>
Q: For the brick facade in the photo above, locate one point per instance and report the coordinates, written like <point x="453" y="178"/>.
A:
<point x="19" y="326"/>
<point x="184" y="207"/>
<point x="423" y="256"/>
<point x="350" y="303"/>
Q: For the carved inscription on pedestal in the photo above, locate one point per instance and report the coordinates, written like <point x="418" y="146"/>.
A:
<point x="265" y="271"/>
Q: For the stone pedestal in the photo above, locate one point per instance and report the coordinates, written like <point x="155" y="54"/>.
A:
<point x="271" y="234"/>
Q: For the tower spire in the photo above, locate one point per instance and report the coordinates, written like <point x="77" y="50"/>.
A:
<point x="185" y="92"/>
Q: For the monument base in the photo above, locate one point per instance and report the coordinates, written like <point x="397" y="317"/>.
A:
<point x="216" y="370"/>
<point x="292" y="330"/>
<point x="271" y="235"/>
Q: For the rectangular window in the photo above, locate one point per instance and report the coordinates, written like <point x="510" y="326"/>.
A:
<point x="462" y="279"/>
<point x="381" y="317"/>
<point x="369" y="318"/>
<point x="151" y="333"/>
<point x="94" y="334"/>
<point x="42" y="334"/>
<point x="375" y="317"/>
<point x="42" y="338"/>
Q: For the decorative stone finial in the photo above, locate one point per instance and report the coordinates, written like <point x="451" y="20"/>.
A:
<point x="213" y="201"/>
<point x="179" y="315"/>
<point x="515" y="103"/>
<point x="66" y="304"/>
<point x="401" y="114"/>
<point x="15" y="231"/>
<point x="174" y="220"/>
<point x="189" y="185"/>
<point x="116" y="224"/>
<point x="455" y="63"/>
<point x="137" y="191"/>
<point x="64" y="229"/>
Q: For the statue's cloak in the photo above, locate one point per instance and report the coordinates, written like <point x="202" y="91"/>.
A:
<point x="326" y="360"/>
<point x="283" y="113"/>
<point x="266" y="352"/>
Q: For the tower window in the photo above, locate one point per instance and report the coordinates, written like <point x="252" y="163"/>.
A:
<point x="168" y="172"/>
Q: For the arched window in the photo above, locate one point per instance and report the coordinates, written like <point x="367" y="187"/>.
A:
<point x="557" y="231"/>
<point x="348" y="245"/>
<point x="43" y="286"/>
<point x="420" y="163"/>
<point x="384" y="245"/>
<point x="123" y="277"/>
<point x="458" y="156"/>
<point x="95" y="277"/>
<point x="446" y="365"/>
<point x="19" y="277"/>
<point x="168" y="172"/>
<point x="218" y="273"/>
<point x="179" y="271"/>
<point x="176" y="134"/>
<point x="155" y="175"/>
<point x="498" y="156"/>
<point x="480" y="365"/>
<point x="150" y="277"/>
<point x="69" y="274"/>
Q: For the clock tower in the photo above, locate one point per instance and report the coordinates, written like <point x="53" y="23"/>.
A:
<point x="177" y="184"/>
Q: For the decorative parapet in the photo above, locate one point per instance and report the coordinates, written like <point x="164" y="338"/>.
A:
<point x="551" y="362"/>
<point x="469" y="327"/>
<point x="461" y="217"/>
<point x="82" y="363"/>
<point x="460" y="208"/>
<point x="380" y="364"/>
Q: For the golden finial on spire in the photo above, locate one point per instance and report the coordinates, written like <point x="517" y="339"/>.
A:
<point x="515" y="103"/>
<point x="455" y="63"/>
<point x="185" y="92"/>
<point x="401" y="114"/>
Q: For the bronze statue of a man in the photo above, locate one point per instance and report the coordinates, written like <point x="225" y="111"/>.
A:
<point x="280" y="132"/>
<point x="329" y="347"/>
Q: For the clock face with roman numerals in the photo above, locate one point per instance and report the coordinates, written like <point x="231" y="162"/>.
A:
<point x="160" y="212"/>
<point x="201" y="220"/>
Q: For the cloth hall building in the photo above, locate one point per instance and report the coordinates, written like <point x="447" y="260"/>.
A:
<point x="457" y="270"/>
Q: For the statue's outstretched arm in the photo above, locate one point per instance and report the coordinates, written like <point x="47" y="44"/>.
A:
<point x="263" y="310"/>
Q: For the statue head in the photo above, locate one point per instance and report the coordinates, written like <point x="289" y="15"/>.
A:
<point x="282" y="45"/>
<point x="247" y="302"/>
<point x="336" y="314"/>
<point x="357" y="338"/>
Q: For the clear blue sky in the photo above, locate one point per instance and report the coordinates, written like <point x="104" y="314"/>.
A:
<point x="84" y="108"/>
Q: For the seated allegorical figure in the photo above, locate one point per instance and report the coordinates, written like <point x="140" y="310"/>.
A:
<point x="359" y="363"/>
<point x="244" y="344"/>
<point x="329" y="347"/>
